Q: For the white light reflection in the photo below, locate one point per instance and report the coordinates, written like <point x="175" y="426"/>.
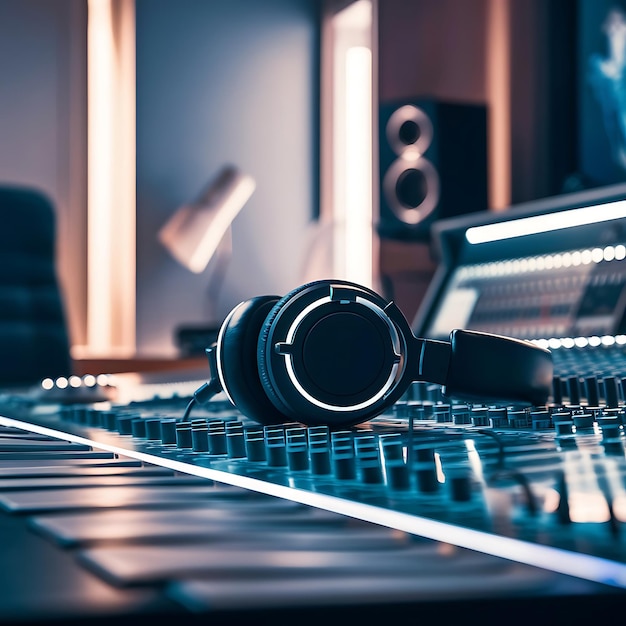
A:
<point x="546" y="223"/>
<point x="551" y="500"/>
<point x="588" y="507"/>
<point x="586" y="500"/>
<point x="619" y="507"/>
<point x="75" y="381"/>
<point x="89" y="380"/>
<point x="474" y="460"/>
<point x="441" y="477"/>
<point x="102" y="380"/>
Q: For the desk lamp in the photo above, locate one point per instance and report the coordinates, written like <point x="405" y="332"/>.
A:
<point x="200" y="232"/>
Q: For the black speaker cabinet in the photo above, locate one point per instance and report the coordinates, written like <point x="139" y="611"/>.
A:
<point x="433" y="164"/>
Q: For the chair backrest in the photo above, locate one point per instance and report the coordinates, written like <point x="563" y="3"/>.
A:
<point x="34" y="340"/>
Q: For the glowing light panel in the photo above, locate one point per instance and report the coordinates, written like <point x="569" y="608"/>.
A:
<point x="547" y="223"/>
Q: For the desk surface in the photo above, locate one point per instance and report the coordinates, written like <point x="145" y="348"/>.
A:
<point x="116" y="365"/>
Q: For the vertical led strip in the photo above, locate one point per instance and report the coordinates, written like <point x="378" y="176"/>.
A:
<point x="358" y="166"/>
<point x="352" y="139"/>
<point x="498" y="65"/>
<point x="111" y="177"/>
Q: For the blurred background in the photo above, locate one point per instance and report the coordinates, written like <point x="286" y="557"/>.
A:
<point x="359" y="123"/>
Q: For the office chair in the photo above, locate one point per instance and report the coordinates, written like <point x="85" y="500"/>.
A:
<point x="34" y="339"/>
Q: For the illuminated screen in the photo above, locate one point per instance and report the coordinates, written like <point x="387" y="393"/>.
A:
<point x="568" y="294"/>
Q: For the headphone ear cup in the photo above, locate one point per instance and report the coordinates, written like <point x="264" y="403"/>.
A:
<point x="328" y="353"/>
<point x="262" y="345"/>
<point x="237" y="360"/>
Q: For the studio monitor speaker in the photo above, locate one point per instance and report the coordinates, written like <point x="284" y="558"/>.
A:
<point x="433" y="164"/>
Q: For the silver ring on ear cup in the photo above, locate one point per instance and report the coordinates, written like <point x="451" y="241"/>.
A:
<point x="394" y="374"/>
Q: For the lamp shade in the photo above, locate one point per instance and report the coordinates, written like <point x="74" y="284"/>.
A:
<point x="194" y="232"/>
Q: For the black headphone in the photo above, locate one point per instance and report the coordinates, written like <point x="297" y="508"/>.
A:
<point x="333" y="352"/>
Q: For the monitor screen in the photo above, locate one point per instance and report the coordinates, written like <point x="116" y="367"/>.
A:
<point x="549" y="269"/>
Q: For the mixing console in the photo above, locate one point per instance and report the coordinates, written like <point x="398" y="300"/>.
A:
<point x="541" y="487"/>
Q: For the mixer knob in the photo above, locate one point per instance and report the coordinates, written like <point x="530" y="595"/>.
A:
<point x="199" y="437"/>
<point x="461" y="414"/>
<point x="297" y="451"/>
<point x="138" y="427"/>
<point x="517" y="419"/>
<point x="217" y="437"/>
<point x="459" y="481"/>
<point x="611" y="392"/>
<point x="497" y="417"/>
<point x="343" y="460"/>
<point x="319" y="450"/>
<point x="255" y="445"/>
<point x="124" y="423"/>
<point x="183" y="435"/>
<point x="393" y="456"/>
<point x="109" y="420"/>
<point x="573" y="390"/>
<point x="153" y="429"/>
<point x="592" y="391"/>
<point x="442" y="413"/>
<point x="540" y="420"/>
<point x="562" y="510"/>
<point x="557" y="390"/>
<point x="235" y="443"/>
<point x="93" y="417"/>
<point x="610" y="426"/>
<point x="425" y="469"/>
<point x="275" y="447"/>
<point x="480" y="417"/>
<point x="168" y="431"/>
<point x="563" y="427"/>
<point x="583" y="422"/>
<point x="368" y="459"/>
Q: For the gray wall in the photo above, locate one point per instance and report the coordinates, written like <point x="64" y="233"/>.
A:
<point x="224" y="82"/>
<point x="43" y="125"/>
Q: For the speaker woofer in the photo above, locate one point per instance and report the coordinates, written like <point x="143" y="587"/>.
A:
<point x="411" y="188"/>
